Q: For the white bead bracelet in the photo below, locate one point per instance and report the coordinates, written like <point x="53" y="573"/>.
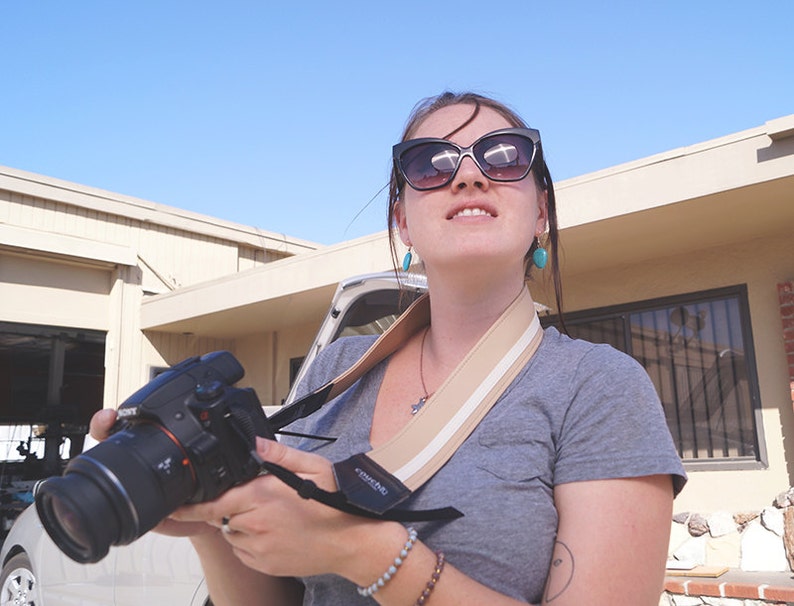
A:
<point x="386" y="576"/>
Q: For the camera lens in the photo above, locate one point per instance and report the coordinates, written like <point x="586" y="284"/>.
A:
<point x="66" y="507"/>
<point x="73" y="527"/>
<point x="115" y="492"/>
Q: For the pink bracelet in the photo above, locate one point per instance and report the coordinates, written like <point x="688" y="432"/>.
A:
<point x="431" y="584"/>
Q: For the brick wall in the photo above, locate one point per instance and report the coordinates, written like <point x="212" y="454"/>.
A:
<point x="785" y="291"/>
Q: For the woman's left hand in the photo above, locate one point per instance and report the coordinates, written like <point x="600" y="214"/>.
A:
<point x="274" y="530"/>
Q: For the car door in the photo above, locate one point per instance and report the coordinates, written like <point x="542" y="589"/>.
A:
<point x="62" y="581"/>
<point x="157" y="569"/>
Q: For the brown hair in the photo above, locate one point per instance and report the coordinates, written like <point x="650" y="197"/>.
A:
<point x="540" y="172"/>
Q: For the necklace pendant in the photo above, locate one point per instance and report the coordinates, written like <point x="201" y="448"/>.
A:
<point x="415" y="407"/>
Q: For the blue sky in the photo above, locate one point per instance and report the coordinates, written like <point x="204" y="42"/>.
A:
<point x="282" y="115"/>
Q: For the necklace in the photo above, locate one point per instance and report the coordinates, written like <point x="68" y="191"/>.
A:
<point x="415" y="407"/>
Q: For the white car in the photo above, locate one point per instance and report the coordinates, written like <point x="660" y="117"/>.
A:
<point x="157" y="569"/>
<point x="152" y="570"/>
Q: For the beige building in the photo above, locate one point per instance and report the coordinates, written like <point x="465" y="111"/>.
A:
<point x="684" y="259"/>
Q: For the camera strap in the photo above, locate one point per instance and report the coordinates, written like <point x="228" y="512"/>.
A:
<point x="379" y="480"/>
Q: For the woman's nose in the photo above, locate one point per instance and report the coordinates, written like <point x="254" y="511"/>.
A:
<point x="469" y="175"/>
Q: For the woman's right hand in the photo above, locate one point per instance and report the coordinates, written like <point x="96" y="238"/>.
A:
<point x="101" y="424"/>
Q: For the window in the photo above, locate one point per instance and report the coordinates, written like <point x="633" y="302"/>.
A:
<point x="52" y="381"/>
<point x="294" y="368"/>
<point x="697" y="349"/>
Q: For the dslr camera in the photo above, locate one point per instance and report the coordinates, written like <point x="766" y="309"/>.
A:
<point x="185" y="437"/>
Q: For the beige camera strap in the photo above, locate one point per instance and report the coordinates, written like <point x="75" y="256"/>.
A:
<point x="457" y="407"/>
<point x="431" y="437"/>
<point x="378" y="480"/>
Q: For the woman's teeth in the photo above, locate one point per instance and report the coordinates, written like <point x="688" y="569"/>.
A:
<point x="472" y="212"/>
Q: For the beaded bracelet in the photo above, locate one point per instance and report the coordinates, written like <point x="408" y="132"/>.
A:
<point x="431" y="584"/>
<point x="386" y="576"/>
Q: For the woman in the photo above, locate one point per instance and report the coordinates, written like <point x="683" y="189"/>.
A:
<point x="567" y="483"/>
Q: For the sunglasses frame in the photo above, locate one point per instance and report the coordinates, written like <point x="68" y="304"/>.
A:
<point x="400" y="148"/>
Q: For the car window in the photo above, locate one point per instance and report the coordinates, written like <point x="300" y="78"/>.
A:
<point x="373" y="313"/>
<point x="363" y="305"/>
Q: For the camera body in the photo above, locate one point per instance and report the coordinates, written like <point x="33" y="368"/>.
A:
<point x="213" y="422"/>
<point x="185" y="437"/>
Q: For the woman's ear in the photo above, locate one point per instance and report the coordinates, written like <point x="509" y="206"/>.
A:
<point x="401" y="222"/>
<point x="543" y="212"/>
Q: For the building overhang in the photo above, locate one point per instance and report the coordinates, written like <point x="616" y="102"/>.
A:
<point x="23" y="183"/>
<point x="283" y="293"/>
<point x="732" y="189"/>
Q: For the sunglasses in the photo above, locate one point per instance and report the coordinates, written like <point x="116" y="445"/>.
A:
<point x="503" y="155"/>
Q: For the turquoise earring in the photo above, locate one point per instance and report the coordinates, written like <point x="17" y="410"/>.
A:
<point x="540" y="256"/>
<point x="407" y="259"/>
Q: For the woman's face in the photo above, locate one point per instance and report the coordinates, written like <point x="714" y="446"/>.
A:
<point x="472" y="222"/>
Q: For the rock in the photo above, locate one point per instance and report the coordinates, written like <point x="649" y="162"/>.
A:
<point x="772" y="519"/>
<point x="666" y="599"/>
<point x="681" y="518"/>
<point x="724" y="550"/>
<point x="788" y="535"/>
<point x="784" y="499"/>
<point x="721" y="523"/>
<point x="698" y="525"/>
<point x="762" y="550"/>
<point x="686" y="600"/>
<point x="694" y="550"/>
<point x="679" y="534"/>
<point x="743" y="517"/>
<point x="709" y="601"/>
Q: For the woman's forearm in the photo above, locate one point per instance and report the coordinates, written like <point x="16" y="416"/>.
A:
<point x="231" y="583"/>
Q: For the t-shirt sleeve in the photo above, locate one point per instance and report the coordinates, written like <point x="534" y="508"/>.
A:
<point x="615" y="426"/>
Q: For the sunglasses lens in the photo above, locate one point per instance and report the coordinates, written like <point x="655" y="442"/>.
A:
<point x="445" y="161"/>
<point x="505" y="157"/>
<point x="429" y="165"/>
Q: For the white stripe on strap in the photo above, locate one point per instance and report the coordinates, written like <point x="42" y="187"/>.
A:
<point x="423" y="445"/>
<point x="470" y="406"/>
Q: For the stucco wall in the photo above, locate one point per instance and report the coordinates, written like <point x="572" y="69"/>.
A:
<point x="45" y="291"/>
<point x="266" y="359"/>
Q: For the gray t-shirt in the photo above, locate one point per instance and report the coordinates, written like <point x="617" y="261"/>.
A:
<point x="578" y="411"/>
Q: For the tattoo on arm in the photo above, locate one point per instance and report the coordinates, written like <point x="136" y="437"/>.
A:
<point x="560" y="572"/>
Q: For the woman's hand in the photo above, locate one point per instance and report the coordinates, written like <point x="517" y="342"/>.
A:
<point x="277" y="532"/>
